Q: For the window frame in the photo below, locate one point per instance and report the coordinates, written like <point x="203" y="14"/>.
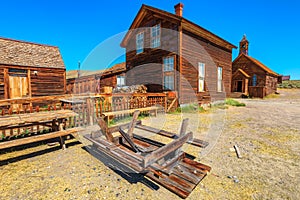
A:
<point x="157" y="37"/>
<point x="139" y="50"/>
<point x="201" y="78"/>
<point x="254" y="76"/>
<point x="123" y="78"/>
<point x="219" y="81"/>
<point x="168" y="73"/>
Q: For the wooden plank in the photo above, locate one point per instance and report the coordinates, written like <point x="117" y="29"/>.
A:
<point x="37" y="138"/>
<point x="105" y="130"/>
<point x="129" y="111"/>
<point x="155" y="130"/>
<point x="128" y="139"/>
<point x="133" y="123"/>
<point x="183" y="127"/>
<point x="35" y="117"/>
<point x="172" y="104"/>
<point x="167" y="149"/>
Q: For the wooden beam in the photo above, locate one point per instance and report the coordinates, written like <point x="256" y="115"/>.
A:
<point x="133" y="123"/>
<point x="172" y="104"/>
<point x="167" y="149"/>
<point x="6" y="83"/>
<point x="105" y="130"/>
<point x="183" y="127"/>
<point x="128" y="139"/>
<point x="38" y="138"/>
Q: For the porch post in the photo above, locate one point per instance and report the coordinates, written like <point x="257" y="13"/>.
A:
<point x="246" y="86"/>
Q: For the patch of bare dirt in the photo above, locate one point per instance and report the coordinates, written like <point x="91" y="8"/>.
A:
<point x="266" y="131"/>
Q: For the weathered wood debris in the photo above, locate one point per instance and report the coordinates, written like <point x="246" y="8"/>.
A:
<point x="166" y="164"/>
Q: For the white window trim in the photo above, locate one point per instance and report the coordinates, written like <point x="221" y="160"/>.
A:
<point x="139" y="49"/>
<point x="157" y="37"/>
<point x="219" y="81"/>
<point x="121" y="83"/>
<point x="168" y="72"/>
<point x="201" y="78"/>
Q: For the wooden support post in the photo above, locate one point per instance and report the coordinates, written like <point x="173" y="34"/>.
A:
<point x="105" y="130"/>
<point x="183" y="127"/>
<point x="133" y="123"/>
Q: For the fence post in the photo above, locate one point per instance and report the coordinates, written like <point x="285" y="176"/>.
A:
<point x="166" y="103"/>
<point x="90" y="110"/>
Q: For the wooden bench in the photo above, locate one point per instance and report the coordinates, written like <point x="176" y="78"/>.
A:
<point x="107" y="115"/>
<point x="37" y="138"/>
<point x="55" y="120"/>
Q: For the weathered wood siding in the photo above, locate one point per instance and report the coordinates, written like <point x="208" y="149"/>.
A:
<point x="268" y="81"/>
<point x="146" y="68"/>
<point x="194" y="50"/>
<point x="251" y="69"/>
<point x="47" y="82"/>
<point x="271" y="84"/>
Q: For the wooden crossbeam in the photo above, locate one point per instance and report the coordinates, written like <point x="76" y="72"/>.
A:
<point x="105" y="130"/>
<point x="167" y="149"/>
<point x="37" y="138"/>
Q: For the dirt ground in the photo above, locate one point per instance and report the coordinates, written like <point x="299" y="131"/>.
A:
<point x="267" y="133"/>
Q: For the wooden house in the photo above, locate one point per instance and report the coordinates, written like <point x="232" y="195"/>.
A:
<point x="95" y="81"/>
<point x="30" y="70"/>
<point x="167" y="52"/>
<point x="250" y="77"/>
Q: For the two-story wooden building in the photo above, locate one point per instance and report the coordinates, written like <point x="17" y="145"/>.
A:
<point x="167" y="52"/>
<point x="250" y="77"/>
<point x="30" y="70"/>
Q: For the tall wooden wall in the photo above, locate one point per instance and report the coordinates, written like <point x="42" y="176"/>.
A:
<point x="46" y="82"/>
<point x="194" y="50"/>
<point x="146" y="68"/>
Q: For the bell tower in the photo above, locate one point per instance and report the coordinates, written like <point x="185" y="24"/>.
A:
<point x="244" y="45"/>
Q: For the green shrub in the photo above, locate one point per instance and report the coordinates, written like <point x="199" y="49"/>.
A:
<point x="290" y="84"/>
<point x="233" y="102"/>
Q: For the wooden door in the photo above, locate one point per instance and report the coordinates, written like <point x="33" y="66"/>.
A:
<point x="18" y="87"/>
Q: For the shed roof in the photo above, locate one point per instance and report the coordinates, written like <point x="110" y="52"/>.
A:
<point x="186" y="24"/>
<point x="21" y="53"/>
<point x="257" y="63"/>
<point x="120" y="67"/>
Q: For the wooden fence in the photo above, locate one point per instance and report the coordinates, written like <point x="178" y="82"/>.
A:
<point x="88" y="108"/>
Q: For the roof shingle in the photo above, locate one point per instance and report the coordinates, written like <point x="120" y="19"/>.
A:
<point x="21" y="53"/>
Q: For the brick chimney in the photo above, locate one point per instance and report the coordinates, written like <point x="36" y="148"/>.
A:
<point x="178" y="9"/>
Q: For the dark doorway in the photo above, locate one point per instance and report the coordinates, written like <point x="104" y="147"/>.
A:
<point x="239" y="86"/>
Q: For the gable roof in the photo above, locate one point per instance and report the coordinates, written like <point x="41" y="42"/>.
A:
<point x="242" y="72"/>
<point x="257" y="63"/>
<point x="186" y="24"/>
<point x="21" y="53"/>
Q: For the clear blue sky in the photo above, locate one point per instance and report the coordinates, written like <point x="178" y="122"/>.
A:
<point x="77" y="27"/>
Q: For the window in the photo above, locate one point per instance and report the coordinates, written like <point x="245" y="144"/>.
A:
<point x="168" y="73"/>
<point x="168" y="64"/>
<point x="168" y="82"/>
<point x="254" y="80"/>
<point x="201" y="76"/>
<point x="155" y="36"/>
<point x="220" y="79"/>
<point x="139" y="42"/>
<point x="120" y="81"/>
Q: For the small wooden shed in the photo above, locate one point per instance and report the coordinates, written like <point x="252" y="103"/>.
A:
<point x="250" y="76"/>
<point x="29" y="70"/>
